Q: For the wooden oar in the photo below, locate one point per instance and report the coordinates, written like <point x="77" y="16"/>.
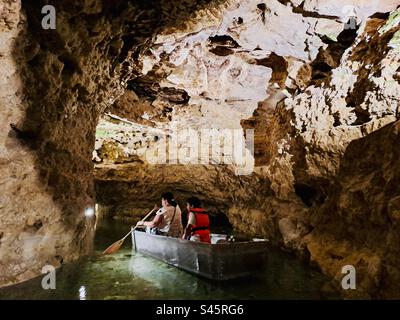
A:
<point x="117" y="245"/>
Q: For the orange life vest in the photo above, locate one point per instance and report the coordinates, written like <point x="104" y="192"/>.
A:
<point x="202" y="227"/>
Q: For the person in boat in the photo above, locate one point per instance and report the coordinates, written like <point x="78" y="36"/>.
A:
<point x="167" y="221"/>
<point x="198" y="225"/>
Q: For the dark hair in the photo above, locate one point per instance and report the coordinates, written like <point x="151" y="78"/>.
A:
<point x="169" y="197"/>
<point x="194" y="202"/>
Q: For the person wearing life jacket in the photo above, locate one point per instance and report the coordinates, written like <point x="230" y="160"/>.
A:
<point x="198" y="225"/>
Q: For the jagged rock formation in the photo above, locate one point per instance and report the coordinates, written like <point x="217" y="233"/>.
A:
<point x="318" y="82"/>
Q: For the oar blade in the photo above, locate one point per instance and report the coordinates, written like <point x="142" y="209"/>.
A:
<point x="113" y="248"/>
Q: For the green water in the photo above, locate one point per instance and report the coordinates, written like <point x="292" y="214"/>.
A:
<point x="128" y="275"/>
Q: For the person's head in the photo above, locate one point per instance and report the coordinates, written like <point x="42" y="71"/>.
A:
<point x="167" y="198"/>
<point x="193" y="202"/>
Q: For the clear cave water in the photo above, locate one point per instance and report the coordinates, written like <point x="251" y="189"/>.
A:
<point x="129" y="276"/>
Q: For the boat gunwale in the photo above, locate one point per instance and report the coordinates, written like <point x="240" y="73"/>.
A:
<point x="204" y="244"/>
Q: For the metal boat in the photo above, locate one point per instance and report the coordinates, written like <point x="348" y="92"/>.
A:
<point x="216" y="261"/>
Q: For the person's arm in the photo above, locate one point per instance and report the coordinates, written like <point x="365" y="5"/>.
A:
<point x="156" y="221"/>
<point x="187" y="232"/>
<point x="190" y="224"/>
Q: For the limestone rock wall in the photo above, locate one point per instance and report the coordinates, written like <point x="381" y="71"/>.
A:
<point x="50" y="104"/>
<point x="32" y="228"/>
<point x="139" y="186"/>
<point x="359" y="222"/>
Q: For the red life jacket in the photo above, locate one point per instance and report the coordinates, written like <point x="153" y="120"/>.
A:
<point x="202" y="227"/>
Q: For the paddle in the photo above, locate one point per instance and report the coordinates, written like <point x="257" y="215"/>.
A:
<point x="117" y="245"/>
